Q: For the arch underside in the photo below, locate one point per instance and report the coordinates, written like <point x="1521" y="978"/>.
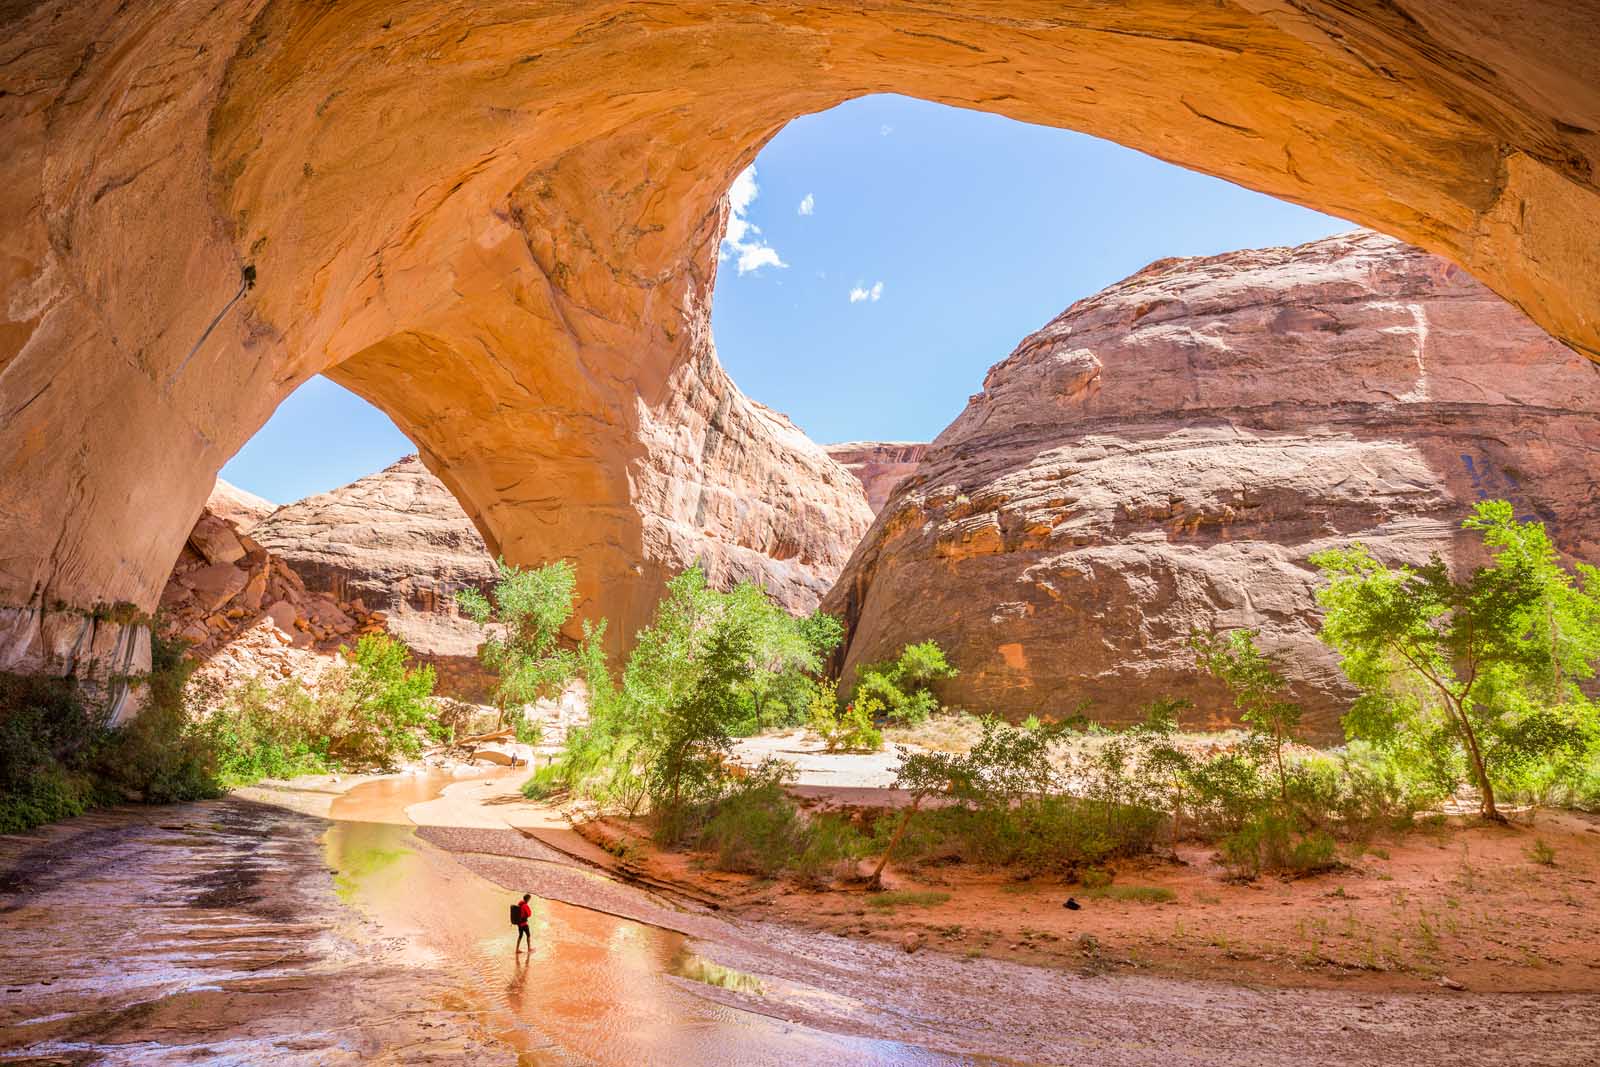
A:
<point x="499" y="223"/>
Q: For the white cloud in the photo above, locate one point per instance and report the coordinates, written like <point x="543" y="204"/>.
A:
<point x="861" y="292"/>
<point x="808" y="205"/>
<point x="743" y="238"/>
<point x="885" y="130"/>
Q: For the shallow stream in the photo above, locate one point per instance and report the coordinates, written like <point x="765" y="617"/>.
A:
<point x="596" y="988"/>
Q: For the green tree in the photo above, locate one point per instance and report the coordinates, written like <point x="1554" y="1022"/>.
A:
<point x="1257" y="689"/>
<point x="904" y="685"/>
<point x="385" y="700"/>
<point x="522" y="618"/>
<point x="1483" y="669"/>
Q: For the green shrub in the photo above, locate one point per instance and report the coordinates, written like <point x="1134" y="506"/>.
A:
<point x="831" y="847"/>
<point x="1541" y="853"/>
<point x="58" y="756"/>
<point x="43" y="797"/>
<point x="754" y="831"/>
<point x="903" y="686"/>
<point x="757" y="829"/>
<point x="1269" y="842"/>
<point x="374" y="711"/>
<point x="259" y="731"/>
<point x="850" y="730"/>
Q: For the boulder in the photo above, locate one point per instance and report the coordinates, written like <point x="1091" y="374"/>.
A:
<point x="215" y="585"/>
<point x="503" y="753"/>
<point x="215" y="540"/>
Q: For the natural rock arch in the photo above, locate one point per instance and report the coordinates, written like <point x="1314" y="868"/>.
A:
<point x="499" y="222"/>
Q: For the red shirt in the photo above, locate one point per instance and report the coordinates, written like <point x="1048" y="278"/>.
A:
<point x="525" y="911"/>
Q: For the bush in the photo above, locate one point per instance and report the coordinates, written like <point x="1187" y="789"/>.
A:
<point x="259" y="731"/>
<point x="376" y="708"/>
<point x="754" y="830"/>
<point x="59" y="757"/>
<point x="371" y="713"/>
<point x="851" y="730"/>
<point x="757" y="829"/>
<point x="1270" y="842"/>
<point x="903" y="686"/>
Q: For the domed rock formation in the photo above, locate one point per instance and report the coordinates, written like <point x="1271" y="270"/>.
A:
<point x="396" y="541"/>
<point x="880" y="465"/>
<point x="499" y="222"/>
<point x="1167" y="453"/>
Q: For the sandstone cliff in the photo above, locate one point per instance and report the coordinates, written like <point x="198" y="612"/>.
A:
<point x="1166" y="454"/>
<point x="499" y="222"/>
<point x="395" y="540"/>
<point x="878" y="465"/>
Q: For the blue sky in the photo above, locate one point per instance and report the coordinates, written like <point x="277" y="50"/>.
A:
<point x="918" y="244"/>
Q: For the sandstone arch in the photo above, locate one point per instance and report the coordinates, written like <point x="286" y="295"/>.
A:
<point x="474" y="211"/>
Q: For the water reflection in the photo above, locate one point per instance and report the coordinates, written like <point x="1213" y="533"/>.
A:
<point x="595" y="989"/>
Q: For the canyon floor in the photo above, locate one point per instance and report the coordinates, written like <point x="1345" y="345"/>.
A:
<point x="361" y="920"/>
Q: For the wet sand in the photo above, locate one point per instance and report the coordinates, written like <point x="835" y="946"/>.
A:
<point x="207" y="934"/>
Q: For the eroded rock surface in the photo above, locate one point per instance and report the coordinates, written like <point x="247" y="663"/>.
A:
<point x="1167" y="453"/>
<point x="879" y="465"/>
<point x="499" y="223"/>
<point x="396" y="541"/>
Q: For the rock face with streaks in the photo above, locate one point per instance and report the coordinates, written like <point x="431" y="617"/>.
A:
<point x="499" y="222"/>
<point x="879" y="465"/>
<point x="394" y="541"/>
<point x="1167" y="453"/>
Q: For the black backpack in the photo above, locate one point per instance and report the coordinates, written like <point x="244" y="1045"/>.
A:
<point x="516" y="914"/>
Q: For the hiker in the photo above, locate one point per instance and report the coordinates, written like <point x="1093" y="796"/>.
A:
<point x="521" y="912"/>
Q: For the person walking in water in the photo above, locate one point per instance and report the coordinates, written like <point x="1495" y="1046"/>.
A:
<point x="521" y="912"/>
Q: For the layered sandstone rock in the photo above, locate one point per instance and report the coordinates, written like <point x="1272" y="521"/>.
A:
<point x="878" y="465"/>
<point x="395" y="540"/>
<point x="499" y="221"/>
<point x="1166" y="454"/>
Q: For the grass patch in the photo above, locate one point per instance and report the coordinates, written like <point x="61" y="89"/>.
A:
<point x="911" y="898"/>
<point x="1137" y="894"/>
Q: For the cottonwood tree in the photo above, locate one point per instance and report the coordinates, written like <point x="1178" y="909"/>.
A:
<point x="523" y="616"/>
<point x="1257" y="688"/>
<point x="1480" y="671"/>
